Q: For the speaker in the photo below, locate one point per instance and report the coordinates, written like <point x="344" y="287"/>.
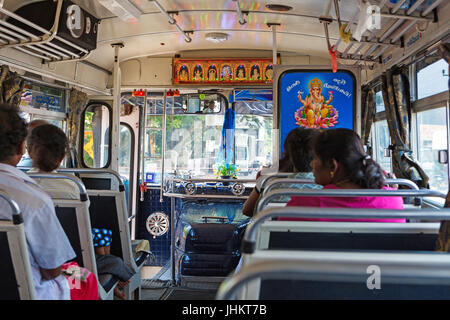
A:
<point x="75" y="24"/>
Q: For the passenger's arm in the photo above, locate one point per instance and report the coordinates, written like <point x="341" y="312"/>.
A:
<point x="49" y="274"/>
<point x="249" y="205"/>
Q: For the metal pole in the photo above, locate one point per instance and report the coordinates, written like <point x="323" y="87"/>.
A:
<point x="142" y="129"/>
<point x="163" y="146"/>
<point x="274" y="44"/>
<point x="116" y="108"/>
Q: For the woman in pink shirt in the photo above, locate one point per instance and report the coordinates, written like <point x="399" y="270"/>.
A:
<point x="340" y="163"/>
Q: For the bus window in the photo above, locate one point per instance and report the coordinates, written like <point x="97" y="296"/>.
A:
<point x="126" y="151"/>
<point x="432" y="137"/>
<point x="382" y="141"/>
<point x="431" y="78"/>
<point x="379" y="102"/>
<point x="96" y="136"/>
<point x="253" y="136"/>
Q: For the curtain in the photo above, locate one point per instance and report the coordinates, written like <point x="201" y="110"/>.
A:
<point x="227" y="143"/>
<point x="11" y="86"/>
<point x="443" y="241"/>
<point x="77" y="102"/>
<point x="396" y="96"/>
<point x="368" y="115"/>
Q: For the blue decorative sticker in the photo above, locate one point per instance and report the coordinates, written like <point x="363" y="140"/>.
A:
<point x="150" y="177"/>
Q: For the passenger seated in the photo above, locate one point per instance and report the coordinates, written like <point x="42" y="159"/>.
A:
<point x="341" y="163"/>
<point x="48" y="246"/>
<point x="47" y="146"/>
<point x="297" y="158"/>
<point x="26" y="160"/>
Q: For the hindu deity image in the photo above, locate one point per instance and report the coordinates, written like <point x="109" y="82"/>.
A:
<point x="254" y="73"/>
<point x="212" y="73"/>
<point x="184" y="73"/>
<point x="316" y="112"/>
<point x="269" y="72"/>
<point x="227" y="73"/>
<point x="240" y="72"/>
<point x="198" y="73"/>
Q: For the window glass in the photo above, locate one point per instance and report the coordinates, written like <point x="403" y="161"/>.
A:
<point x="253" y="144"/>
<point x="432" y="137"/>
<point x="379" y="102"/>
<point x="193" y="143"/>
<point x="382" y="141"/>
<point x="432" y="79"/>
<point x="126" y="148"/>
<point x="96" y="136"/>
<point x="125" y="152"/>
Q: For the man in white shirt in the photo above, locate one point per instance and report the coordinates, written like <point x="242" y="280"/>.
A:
<point x="48" y="245"/>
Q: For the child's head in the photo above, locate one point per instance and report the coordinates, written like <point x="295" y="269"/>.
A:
<point x="47" y="146"/>
<point x="298" y="148"/>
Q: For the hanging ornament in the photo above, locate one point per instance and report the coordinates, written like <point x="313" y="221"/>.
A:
<point x="332" y="53"/>
<point x="345" y="36"/>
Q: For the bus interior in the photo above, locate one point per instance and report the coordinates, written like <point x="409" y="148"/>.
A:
<point x="174" y="108"/>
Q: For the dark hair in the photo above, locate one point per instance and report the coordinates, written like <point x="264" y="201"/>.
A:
<point x="13" y="131"/>
<point x="241" y="67"/>
<point x="48" y="145"/>
<point x="346" y="148"/>
<point x="198" y="68"/>
<point x="298" y="148"/>
<point x="254" y="68"/>
<point x="185" y="68"/>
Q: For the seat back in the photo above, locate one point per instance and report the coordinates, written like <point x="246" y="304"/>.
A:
<point x="343" y="235"/>
<point x="74" y="218"/>
<point x="319" y="235"/>
<point x="342" y="275"/>
<point x="16" y="281"/>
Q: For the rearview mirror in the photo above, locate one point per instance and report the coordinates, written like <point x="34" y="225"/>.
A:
<point x="203" y="103"/>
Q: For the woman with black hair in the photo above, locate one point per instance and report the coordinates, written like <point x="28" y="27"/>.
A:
<point x="340" y="163"/>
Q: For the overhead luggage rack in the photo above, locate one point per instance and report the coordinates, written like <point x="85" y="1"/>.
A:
<point x="68" y="35"/>
<point x="380" y="40"/>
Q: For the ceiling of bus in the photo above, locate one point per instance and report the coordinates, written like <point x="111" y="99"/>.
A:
<point x="299" y="32"/>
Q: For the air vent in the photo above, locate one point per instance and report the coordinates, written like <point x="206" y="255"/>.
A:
<point x="278" y="7"/>
<point x="216" y="37"/>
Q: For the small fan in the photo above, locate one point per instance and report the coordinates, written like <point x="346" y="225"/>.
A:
<point x="157" y="224"/>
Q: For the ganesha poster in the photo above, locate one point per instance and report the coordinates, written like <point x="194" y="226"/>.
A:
<point x="316" y="99"/>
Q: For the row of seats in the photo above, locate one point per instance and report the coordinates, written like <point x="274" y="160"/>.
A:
<point x="333" y="260"/>
<point x="107" y="209"/>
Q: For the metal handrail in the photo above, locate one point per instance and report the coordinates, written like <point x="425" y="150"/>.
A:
<point x="262" y="202"/>
<point x="17" y="215"/>
<point x="265" y="179"/>
<point x="407" y="268"/>
<point x="212" y="180"/>
<point x="249" y="240"/>
<point x="270" y="185"/>
<point x="96" y="171"/>
<point x="83" y="193"/>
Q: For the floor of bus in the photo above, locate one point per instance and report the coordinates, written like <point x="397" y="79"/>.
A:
<point x="156" y="284"/>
